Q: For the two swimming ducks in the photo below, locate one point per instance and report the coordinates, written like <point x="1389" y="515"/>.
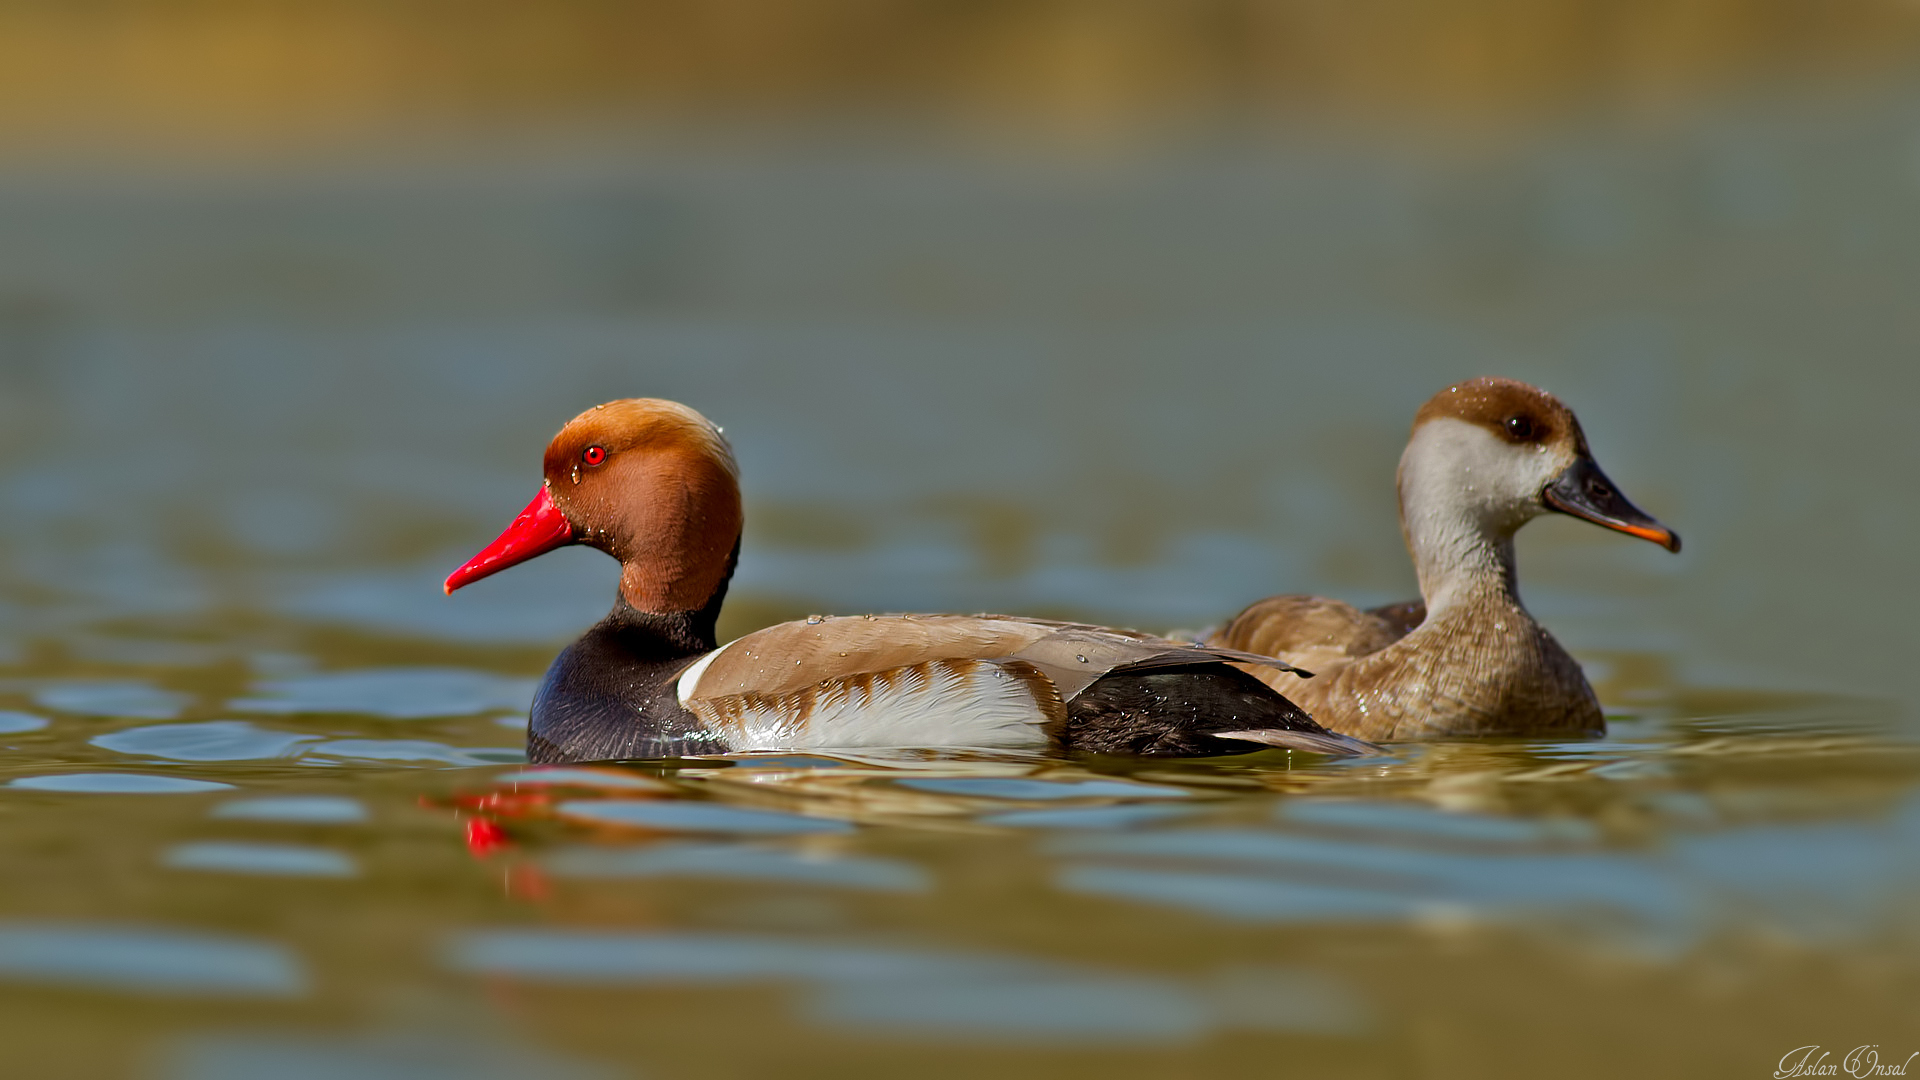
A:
<point x="654" y="484"/>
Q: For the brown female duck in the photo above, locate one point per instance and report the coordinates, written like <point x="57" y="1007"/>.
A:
<point x="654" y="484"/>
<point x="1485" y="458"/>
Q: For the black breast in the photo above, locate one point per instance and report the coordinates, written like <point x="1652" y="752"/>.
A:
<point x="611" y="696"/>
<point x="1170" y="712"/>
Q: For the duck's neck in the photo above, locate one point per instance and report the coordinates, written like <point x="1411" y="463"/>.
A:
<point x="687" y="632"/>
<point x="1462" y="559"/>
<point x="1461" y="570"/>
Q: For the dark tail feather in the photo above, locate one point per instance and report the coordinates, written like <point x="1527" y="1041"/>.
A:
<point x="1314" y="742"/>
<point x="1239" y="657"/>
<point x="1187" y="656"/>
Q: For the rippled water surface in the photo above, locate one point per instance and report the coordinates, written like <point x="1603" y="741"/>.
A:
<point x="306" y="887"/>
<point x="263" y="805"/>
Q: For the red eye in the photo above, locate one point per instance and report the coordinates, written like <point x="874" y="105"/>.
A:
<point x="594" y="455"/>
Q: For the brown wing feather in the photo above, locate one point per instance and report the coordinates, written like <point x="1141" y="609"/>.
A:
<point x="1314" y="632"/>
<point x="1075" y="658"/>
<point x="1316" y="742"/>
<point x="1402" y="618"/>
<point x="785" y="658"/>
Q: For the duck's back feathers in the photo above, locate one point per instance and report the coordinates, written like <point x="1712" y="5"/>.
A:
<point x="977" y="680"/>
<point x="1316" y="633"/>
<point x="790" y="657"/>
<point x="1402" y="618"/>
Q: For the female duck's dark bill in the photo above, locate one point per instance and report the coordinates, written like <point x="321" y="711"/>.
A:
<point x="1584" y="491"/>
<point x="540" y="528"/>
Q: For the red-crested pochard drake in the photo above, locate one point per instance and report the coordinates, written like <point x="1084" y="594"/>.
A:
<point x="1485" y="458"/>
<point x="653" y="484"/>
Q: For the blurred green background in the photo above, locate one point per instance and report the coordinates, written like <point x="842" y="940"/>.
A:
<point x="1117" y="310"/>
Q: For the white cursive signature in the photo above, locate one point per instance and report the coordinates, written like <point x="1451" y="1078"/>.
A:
<point x="1860" y="1061"/>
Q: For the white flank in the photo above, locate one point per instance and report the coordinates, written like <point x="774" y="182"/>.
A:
<point x="683" y="687"/>
<point x="939" y="703"/>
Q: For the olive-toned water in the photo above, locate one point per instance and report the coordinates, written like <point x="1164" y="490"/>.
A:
<point x="264" y="811"/>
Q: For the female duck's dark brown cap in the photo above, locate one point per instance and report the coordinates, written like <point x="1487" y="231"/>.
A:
<point x="1515" y="411"/>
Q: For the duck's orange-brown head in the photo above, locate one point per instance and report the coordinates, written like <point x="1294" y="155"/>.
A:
<point x="651" y="483"/>
<point x="1506" y="451"/>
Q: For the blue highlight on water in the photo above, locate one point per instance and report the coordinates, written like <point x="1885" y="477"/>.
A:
<point x="211" y="740"/>
<point x="147" y="960"/>
<point x="266" y="860"/>
<point x="604" y="777"/>
<point x="699" y="817"/>
<point x="242" y="740"/>
<point x="878" y="988"/>
<point x="1363" y="861"/>
<point x="417" y="751"/>
<point x="1417" y="821"/>
<point x="112" y="698"/>
<point x="16" y="723"/>
<point x="255" y="1055"/>
<point x="116" y="783"/>
<point x="391" y="693"/>
<point x="741" y="862"/>
<point x="1118" y="816"/>
<point x="994" y="787"/>
<point x="295" y="810"/>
